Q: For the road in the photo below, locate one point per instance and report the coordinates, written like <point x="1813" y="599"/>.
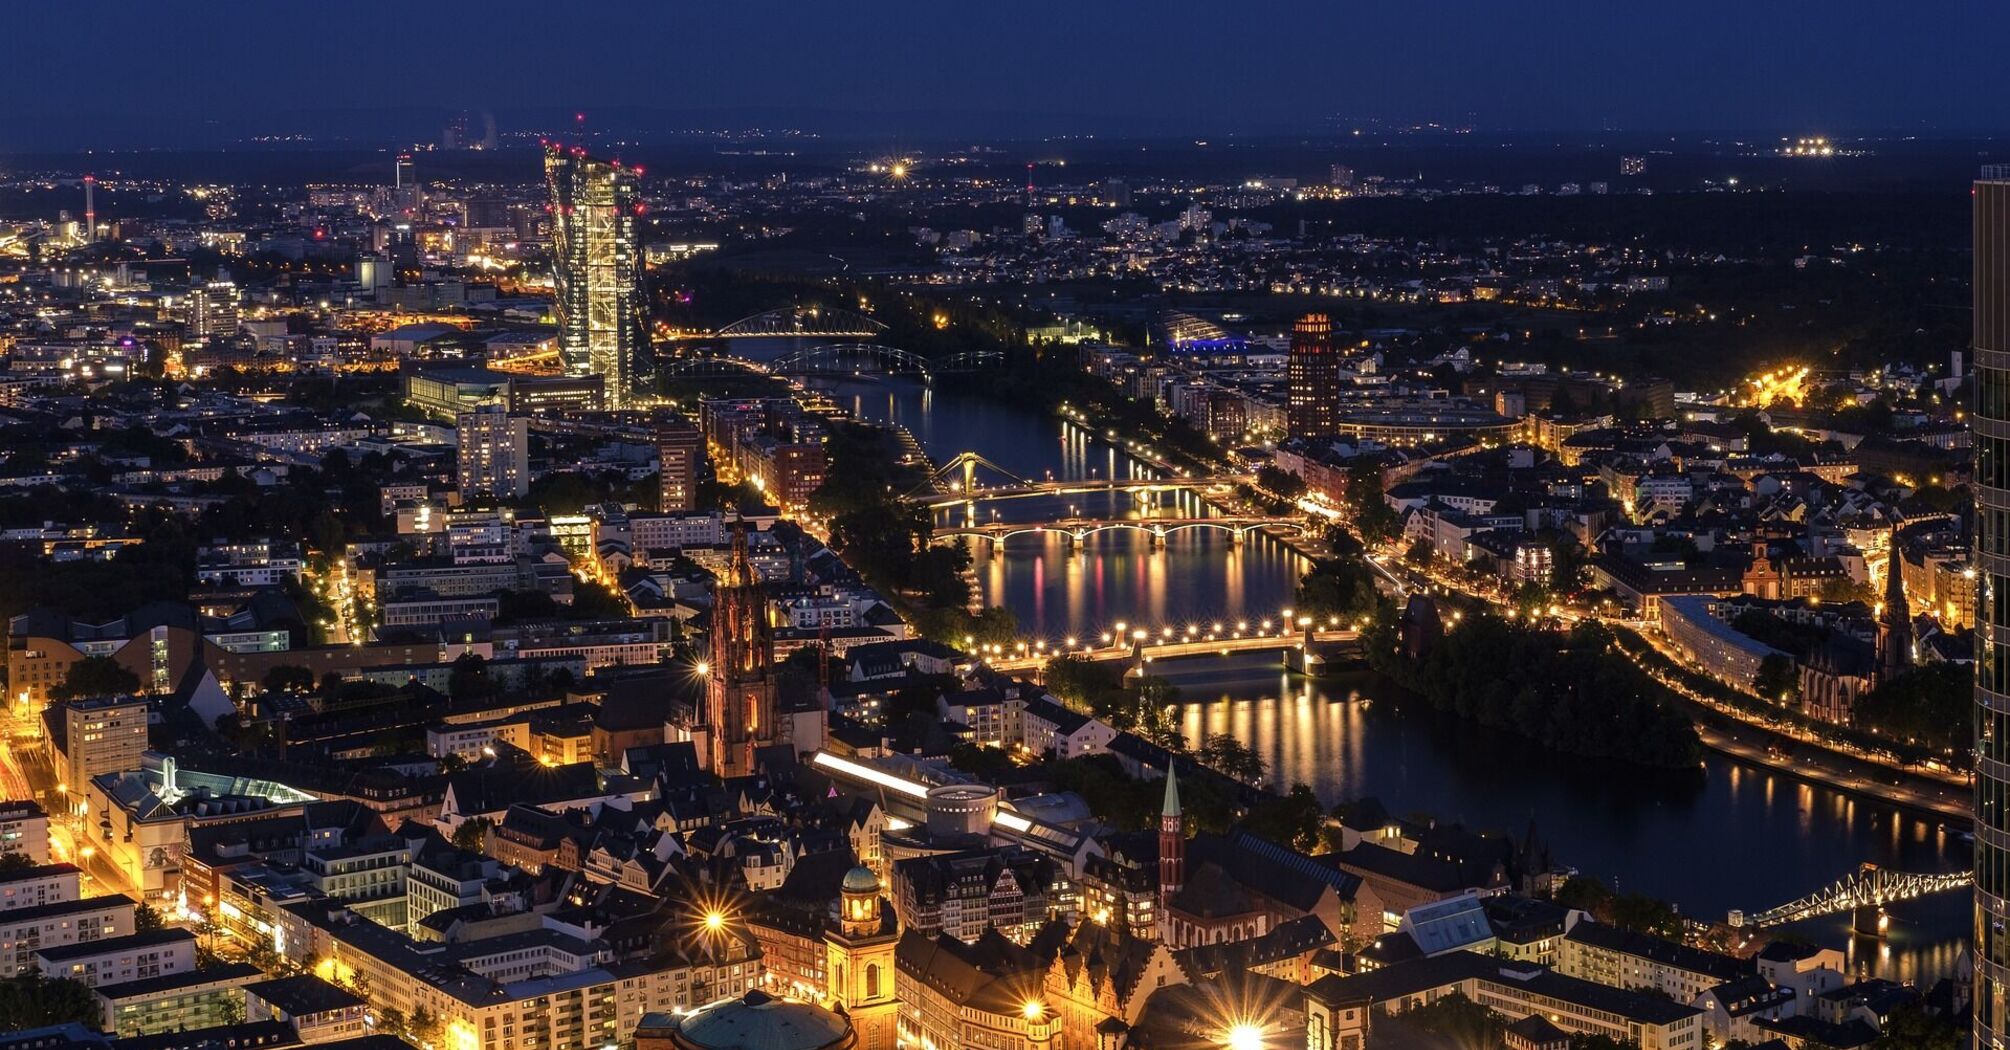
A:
<point x="26" y="772"/>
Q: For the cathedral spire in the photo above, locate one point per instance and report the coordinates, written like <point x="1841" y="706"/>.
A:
<point x="1894" y="622"/>
<point x="740" y="690"/>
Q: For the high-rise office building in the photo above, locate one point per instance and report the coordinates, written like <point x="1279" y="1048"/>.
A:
<point x="494" y="453"/>
<point x="1992" y="611"/>
<point x="105" y="734"/>
<point x="212" y="311"/>
<point x="1312" y="375"/>
<point x="740" y="682"/>
<point x="597" y="266"/>
<point x="679" y="448"/>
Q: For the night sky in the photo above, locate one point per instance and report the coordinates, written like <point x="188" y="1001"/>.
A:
<point x="85" y="73"/>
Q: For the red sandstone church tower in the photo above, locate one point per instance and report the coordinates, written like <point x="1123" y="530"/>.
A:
<point x="1172" y="847"/>
<point x="740" y="687"/>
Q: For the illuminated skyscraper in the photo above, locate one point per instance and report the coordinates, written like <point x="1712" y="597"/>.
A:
<point x="1312" y="374"/>
<point x="596" y="248"/>
<point x="1992" y="611"/>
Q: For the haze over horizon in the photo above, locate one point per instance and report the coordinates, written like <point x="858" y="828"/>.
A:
<point x="165" y="76"/>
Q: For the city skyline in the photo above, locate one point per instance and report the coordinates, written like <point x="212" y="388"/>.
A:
<point x="1107" y="527"/>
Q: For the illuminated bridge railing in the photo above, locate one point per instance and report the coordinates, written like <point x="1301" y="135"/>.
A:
<point x="1870" y="887"/>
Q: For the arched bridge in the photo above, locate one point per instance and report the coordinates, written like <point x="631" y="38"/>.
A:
<point x="1073" y="486"/>
<point x="1870" y="887"/>
<point x="1077" y="530"/>
<point x="835" y="359"/>
<point x="811" y="322"/>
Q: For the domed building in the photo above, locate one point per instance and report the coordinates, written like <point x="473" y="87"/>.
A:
<point x="754" y="1021"/>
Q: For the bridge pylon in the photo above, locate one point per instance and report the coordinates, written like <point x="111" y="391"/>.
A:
<point x="1869" y="920"/>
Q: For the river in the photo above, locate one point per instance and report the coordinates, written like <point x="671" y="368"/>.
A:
<point x="1733" y="836"/>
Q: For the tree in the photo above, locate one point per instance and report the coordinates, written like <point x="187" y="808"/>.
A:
<point x="288" y="678"/>
<point x="1777" y="679"/>
<point x="469" y="680"/>
<point x="1420" y="552"/>
<point x="1295" y="819"/>
<point x="1458" y="1020"/>
<point x="1082" y="683"/>
<point x="1230" y="756"/>
<point x="13" y="862"/>
<point x="424" y="1028"/>
<point x="1279" y="482"/>
<point x="1569" y="564"/>
<point x="987" y="763"/>
<point x="1368" y="506"/>
<point x="32" y="1000"/>
<point x="473" y="834"/>
<point x="1910" y="1027"/>
<point x="147" y="918"/>
<point x="1572" y="692"/>
<point x="1583" y="893"/>
<point x="1632" y="911"/>
<point x="1844" y="589"/>
<point x="1928" y="704"/>
<point x="95" y="676"/>
<point x="1340" y="589"/>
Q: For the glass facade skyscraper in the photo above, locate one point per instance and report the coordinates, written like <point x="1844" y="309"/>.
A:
<point x="1992" y="613"/>
<point x="596" y="247"/>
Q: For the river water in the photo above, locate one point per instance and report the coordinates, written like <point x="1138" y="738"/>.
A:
<point x="1732" y="836"/>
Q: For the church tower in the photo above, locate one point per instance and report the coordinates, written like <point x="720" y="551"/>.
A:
<point x="858" y="961"/>
<point x="740" y="687"/>
<point x="1172" y="848"/>
<point x="1894" y="622"/>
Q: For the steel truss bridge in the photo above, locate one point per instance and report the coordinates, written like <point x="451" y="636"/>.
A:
<point x="806" y="322"/>
<point x="834" y="359"/>
<point x="1077" y="530"/>
<point x="956" y="481"/>
<point x="1870" y="887"/>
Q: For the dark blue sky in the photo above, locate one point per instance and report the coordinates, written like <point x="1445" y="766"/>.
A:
<point x="1115" y="65"/>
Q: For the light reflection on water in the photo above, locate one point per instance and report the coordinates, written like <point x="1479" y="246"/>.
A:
<point x="1729" y="837"/>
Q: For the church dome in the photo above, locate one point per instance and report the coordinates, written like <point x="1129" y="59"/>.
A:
<point x="860" y="880"/>
<point x="759" y="1021"/>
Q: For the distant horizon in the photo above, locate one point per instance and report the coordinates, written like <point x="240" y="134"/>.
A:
<point x="141" y="76"/>
<point x="407" y="128"/>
